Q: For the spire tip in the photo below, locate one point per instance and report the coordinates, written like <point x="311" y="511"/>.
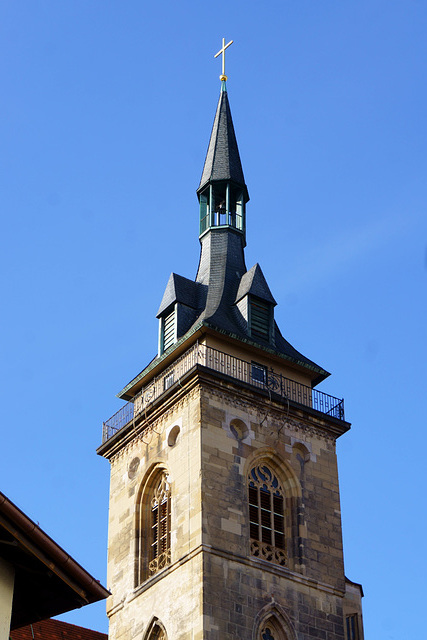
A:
<point x="223" y="77"/>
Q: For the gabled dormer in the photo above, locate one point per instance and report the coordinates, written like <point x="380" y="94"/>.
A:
<point x="256" y="306"/>
<point x="178" y="309"/>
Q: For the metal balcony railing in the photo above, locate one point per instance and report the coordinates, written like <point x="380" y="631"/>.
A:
<point x="251" y="373"/>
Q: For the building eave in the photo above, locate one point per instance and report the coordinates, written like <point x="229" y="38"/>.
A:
<point x="33" y="552"/>
<point x="317" y="373"/>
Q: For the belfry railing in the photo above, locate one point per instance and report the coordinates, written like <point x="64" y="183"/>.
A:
<point x="251" y="373"/>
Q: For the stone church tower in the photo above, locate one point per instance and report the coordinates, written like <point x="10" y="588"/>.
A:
<point x="224" y="502"/>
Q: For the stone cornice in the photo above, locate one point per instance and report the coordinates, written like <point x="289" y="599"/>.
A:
<point x="298" y="417"/>
<point x="254" y="563"/>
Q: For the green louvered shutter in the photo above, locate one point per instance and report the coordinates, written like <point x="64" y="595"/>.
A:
<point x="260" y="319"/>
<point x="168" y="330"/>
<point x="204" y="214"/>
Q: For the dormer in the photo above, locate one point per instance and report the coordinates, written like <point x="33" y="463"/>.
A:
<point x="177" y="310"/>
<point x="256" y="306"/>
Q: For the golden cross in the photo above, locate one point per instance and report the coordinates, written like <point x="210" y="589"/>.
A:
<point x="224" y="47"/>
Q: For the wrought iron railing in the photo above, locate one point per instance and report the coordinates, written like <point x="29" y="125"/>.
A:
<point x="251" y="373"/>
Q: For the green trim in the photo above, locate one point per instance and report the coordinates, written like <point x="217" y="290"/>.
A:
<point x="232" y="215"/>
<point x="225" y="227"/>
<point x="272" y="351"/>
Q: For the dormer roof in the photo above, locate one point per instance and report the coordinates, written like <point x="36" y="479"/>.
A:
<point x="179" y="289"/>
<point x="254" y="283"/>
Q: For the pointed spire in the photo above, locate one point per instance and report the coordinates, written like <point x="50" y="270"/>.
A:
<point x="222" y="159"/>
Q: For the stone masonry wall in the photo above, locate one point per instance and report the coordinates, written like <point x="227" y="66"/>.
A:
<point x="237" y="430"/>
<point x="208" y="436"/>
<point x="132" y="608"/>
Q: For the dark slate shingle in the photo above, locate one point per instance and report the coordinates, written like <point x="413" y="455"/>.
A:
<point x="254" y="283"/>
<point x="223" y="159"/>
<point x="179" y="289"/>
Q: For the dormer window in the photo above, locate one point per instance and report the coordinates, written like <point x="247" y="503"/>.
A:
<point x="260" y="318"/>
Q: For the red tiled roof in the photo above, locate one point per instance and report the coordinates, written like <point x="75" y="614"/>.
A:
<point x="55" y="630"/>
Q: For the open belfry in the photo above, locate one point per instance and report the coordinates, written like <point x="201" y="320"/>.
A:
<point x="224" y="501"/>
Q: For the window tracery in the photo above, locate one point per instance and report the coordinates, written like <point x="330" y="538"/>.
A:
<point x="157" y="634"/>
<point x="156" y="631"/>
<point x="267" y="635"/>
<point x="266" y="516"/>
<point x="272" y="623"/>
<point x="154" y="528"/>
<point x="160" y="552"/>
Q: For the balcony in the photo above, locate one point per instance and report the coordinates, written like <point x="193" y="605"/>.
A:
<point x="249" y="373"/>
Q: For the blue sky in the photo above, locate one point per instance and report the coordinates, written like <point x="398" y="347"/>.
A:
<point x="106" y="114"/>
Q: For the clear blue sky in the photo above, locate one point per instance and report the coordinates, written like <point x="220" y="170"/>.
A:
<point x="106" y="111"/>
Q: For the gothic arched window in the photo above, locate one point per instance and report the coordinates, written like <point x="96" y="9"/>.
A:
<point x="273" y="630"/>
<point x="154" y="527"/>
<point x="266" y="516"/>
<point x="273" y="623"/>
<point x="156" y="631"/>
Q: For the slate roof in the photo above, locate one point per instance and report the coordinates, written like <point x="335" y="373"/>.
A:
<point x="222" y="269"/>
<point x="222" y="158"/>
<point x="179" y="289"/>
<point x="254" y="283"/>
<point x="222" y="279"/>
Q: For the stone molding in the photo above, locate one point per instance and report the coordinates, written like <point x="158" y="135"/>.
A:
<point x="241" y="398"/>
<point x="255" y="563"/>
<point x="156" y="423"/>
<point x="250" y="403"/>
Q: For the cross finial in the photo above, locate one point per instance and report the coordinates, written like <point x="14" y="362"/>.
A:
<point x="222" y="50"/>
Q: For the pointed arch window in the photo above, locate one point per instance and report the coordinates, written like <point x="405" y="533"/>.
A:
<point x="266" y="515"/>
<point x="154" y="540"/>
<point x="272" y="630"/>
<point x="156" y="631"/>
<point x="160" y="526"/>
<point x="272" y="623"/>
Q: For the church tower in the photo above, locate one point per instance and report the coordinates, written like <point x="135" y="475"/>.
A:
<point x="224" y="500"/>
